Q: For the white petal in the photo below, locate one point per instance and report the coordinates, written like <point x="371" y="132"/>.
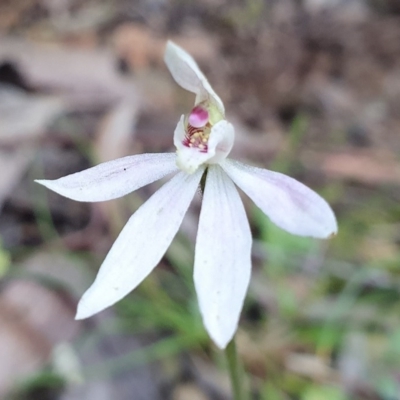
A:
<point x="288" y="203"/>
<point x="219" y="144"/>
<point x="179" y="134"/>
<point x="189" y="159"/>
<point x="222" y="265"/>
<point x="221" y="141"/>
<point x="187" y="74"/>
<point x="113" y="179"/>
<point x="141" y="244"/>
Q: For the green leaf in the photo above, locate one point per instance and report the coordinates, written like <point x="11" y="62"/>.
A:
<point x="323" y="392"/>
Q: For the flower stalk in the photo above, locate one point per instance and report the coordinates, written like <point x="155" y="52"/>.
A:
<point x="236" y="372"/>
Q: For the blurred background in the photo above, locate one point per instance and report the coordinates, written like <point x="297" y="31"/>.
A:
<point x="313" y="88"/>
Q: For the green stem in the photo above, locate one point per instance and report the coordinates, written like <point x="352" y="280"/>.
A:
<point x="236" y="373"/>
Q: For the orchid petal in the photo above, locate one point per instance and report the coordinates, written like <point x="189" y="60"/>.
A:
<point x="180" y="133"/>
<point x="221" y="140"/>
<point x="222" y="264"/>
<point x="113" y="179"/>
<point x="288" y="203"/>
<point x="141" y="244"/>
<point x="219" y="146"/>
<point x="187" y="74"/>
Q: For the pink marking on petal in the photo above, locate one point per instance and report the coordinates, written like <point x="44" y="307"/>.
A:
<point x="196" y="138"/>
<point x="198" y="117"/>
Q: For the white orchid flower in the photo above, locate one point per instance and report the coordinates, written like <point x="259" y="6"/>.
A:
<point x="222" y="264"/>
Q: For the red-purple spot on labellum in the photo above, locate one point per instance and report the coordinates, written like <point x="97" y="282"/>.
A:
<point x="198" y="117"/>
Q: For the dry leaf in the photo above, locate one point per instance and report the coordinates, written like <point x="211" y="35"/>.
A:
<point x="23" y="350"/>
<point x="117" y="129"/>
<point x="140" y="48"/>
<point x="67" y="271"/>
<point x="188" y="391"/>
<point x="41" y="309"/>
<point x="14" y="162"/>
<point x="362" y="166"/>
<point x="25" y="117"/>
<point x="87" y="79"/>
<point x="137" y="46"/>
<point x="35" y="318"/>
<point x="309" y="365"/>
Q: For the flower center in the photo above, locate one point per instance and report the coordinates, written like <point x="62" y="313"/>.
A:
<point x="197" y="130"/>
